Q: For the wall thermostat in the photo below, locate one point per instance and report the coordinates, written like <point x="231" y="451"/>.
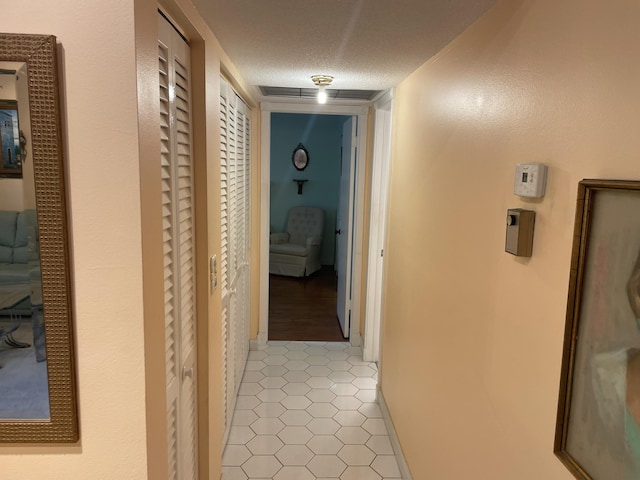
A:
<point x="531" y="180"/>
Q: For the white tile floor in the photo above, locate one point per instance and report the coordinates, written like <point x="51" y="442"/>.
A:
<point x="306" y="410"/>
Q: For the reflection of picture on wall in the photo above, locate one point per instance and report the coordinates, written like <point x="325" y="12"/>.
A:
<point x="10" y="153"/>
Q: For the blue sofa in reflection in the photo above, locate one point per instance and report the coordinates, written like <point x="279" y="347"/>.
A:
<point x="15" y="256"/>
<point x="20" y="265"/>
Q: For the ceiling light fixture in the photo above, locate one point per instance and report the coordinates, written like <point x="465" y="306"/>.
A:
<point x="321" y="81"/>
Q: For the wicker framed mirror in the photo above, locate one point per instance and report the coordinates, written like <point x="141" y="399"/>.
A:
<point x="42" y="309"/>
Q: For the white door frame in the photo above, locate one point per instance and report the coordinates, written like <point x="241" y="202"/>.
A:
<point x="360" y="111"/>
<point x="378" y="225"/>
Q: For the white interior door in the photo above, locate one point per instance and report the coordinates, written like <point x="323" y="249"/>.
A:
<point x="179" y="251"/>
<point x="344" y="231"/>
<point x="235" y="189"/>
<point x="377" y="229"/>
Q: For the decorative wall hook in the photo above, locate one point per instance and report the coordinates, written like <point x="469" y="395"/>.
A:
<point x="300" y="183"/>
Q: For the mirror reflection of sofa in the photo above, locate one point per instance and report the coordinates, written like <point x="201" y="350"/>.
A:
<point x="296" y="251"/>
<point x="20" y="265"/>
<point x="14" y="246"/>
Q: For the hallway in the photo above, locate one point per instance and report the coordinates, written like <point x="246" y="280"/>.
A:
<point x="306" y="410"/>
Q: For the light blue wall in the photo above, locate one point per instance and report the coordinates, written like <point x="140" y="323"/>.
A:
<point x="322" y="137"/>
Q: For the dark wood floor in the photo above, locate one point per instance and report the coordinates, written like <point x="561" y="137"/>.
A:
<point x="304" y="308"/>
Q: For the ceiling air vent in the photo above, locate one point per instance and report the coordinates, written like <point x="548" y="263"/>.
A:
<point x="337" y="94"/>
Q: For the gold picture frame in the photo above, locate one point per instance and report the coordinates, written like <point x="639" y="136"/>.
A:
<point x="598" y="418"/>
<point x="39" y="53"/>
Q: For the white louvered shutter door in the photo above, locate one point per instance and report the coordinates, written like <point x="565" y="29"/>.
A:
<point x="179" y="251"/>
<point x="235" y="144"/>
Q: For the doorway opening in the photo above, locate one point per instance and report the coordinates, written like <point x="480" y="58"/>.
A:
<point x="303" y="303"/>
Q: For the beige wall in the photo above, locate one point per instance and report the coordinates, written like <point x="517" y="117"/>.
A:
<point x="472" y="335"/>
<point x="100" y="138"/>
<point x="110" y="113"/>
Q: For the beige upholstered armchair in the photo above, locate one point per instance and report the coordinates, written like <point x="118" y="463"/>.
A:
<point x="296" y="252"/>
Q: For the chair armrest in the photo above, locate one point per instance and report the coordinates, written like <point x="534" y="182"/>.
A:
<point x="314" y="241"/>
<point x="276" y="238"/>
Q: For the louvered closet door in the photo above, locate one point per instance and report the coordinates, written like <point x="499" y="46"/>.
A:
<point x="235" y="173"/>
<point x="179" y="251"/>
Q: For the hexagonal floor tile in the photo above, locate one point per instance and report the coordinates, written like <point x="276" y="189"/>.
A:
<point x="337" y="345"/>
<point x="296" y="388"/>
<point x="323" y="395"/>
<point x="276" y="360"/>
<point x="355" y="360"/>
<point x="356" y="455"/>
<point x="316" y="350"/>
<point x="295" y="417"/>
<point x="347" y="403"/>
<point x="326" y="466"/>
<point x="274" y="371"/>
<point x="264" y="445"/>
<point x="380" y="445"/>
<point x="341" y="377"/>
<point x="252" y="377"/>
<point x="325" y="445"/>
<point x="274" y="349"/>
<point x="294" y="455"/>
<point x="349" y="418"/>
<point x="297" y="376"/>
<point x="233" y="473"/>
<point x="295" y="365"/>
<point x="344" y="389"/>
<point x="366" y="396"/>
<point x="235" y="455"/>
<point x="295" y="435"/>
<point x="239" y="435"/>
<point x="296" y="355"/>
<point x="249" y="389"/>
<point x="353" y="435"/>
<point x="375" y="426"/>
<point x="244" y="417"/>
<point x="319" y="382"/>
<point x="323" y="426"/>
<point x="271" y="395"/>
<point x="292" y="346"/>
<point x="371" y="410"/>
<point x="261" y="466"/>
<point x="322" y="410"/>
<point x="273" y="382"/>
<point x="362" y="370"/>
<point x="254" y="365"/>
<point x="337" y="355"/>
<point x="247" y="402"/>
<point x="340" y="365"/>
<point x="365" y="383"/>
<point x="296" y="402"/>
<point x="269" y="410"/>
<point x="294" y="473"/>
<point x="318" y="371"/>
<point x="267" y="426"/>
<point x="360" y="473"/>
<point x="316" y="360"/>
<point x="386" y="466"/>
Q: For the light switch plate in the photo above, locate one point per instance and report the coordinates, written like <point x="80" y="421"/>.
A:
<point x="530" y="180"/>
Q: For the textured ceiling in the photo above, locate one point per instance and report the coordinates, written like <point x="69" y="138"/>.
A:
<point x="364" y="44"/>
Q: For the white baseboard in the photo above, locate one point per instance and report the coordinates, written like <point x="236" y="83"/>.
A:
<point x="260" y="341"/>
<point x="355" y="339"/>
<point x="393" y="437"/>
